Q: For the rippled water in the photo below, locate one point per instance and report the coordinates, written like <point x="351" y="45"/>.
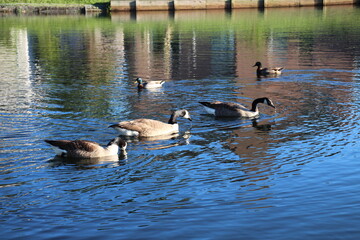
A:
<point x="291" y="174"/>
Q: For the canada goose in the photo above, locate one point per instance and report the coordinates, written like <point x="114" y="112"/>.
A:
<point x="151" y="84"/>
<point x="150" y="128"/>
<point x="85" y="148"/>
<point x="228" y="109"/>
<point x="265" y="71"/>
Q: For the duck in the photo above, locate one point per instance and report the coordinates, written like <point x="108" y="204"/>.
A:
<point x="266" y="71"/>
<point x="141" y="84"/>
<point x="86" y="149"/>
<point x="149" y="128"/>
<point x="229" y="109"/>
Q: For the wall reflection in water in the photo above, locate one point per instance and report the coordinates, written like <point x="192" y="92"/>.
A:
<point x="179" y="45"/>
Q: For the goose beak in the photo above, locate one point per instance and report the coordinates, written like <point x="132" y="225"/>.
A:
<point x="190" y="119"/>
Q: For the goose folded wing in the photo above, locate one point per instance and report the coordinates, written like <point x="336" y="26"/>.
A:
<point x="138" y="125"/>
<point x="233" y="106"/>
<point x="67" y="145"/>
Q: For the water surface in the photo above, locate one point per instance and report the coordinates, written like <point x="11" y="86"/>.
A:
<point x="293" y="173"/>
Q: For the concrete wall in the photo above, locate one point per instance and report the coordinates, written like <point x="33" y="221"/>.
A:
<point x="123" y="5"/>
<point x="310" y="3"/>
<point x="135" y="5"/>
<point x="216" y="4"/>
<point x="201" y="4"/>
<point x="281" y="3"/>
<point x="246" y="3"/>
<point x="154" y="5"/>
<point x="189" y="4"/>
<point x="338" y="2"/>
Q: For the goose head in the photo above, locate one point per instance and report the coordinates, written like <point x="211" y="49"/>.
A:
<point x="258" y="64"/>
<point x="264" y="100"/>
<point x="119" y="142"/>
<point x="185" y="114"/>
<point x="179" y="113"/>
<point x="267" y="101"/>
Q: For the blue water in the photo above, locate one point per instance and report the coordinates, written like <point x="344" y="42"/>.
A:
<point x="293" y="173"/>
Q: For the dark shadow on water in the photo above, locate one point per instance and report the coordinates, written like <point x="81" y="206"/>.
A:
<point x="261" y="11"/>
<point x="228" y="12"/>
<point x="133" y="15"/>
<point x="161" y="141"/>
<point x="171" y="14"/>
<point x="261" y="127"/>
<point x="88" y="163"/>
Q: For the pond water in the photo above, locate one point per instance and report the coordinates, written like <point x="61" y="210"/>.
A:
<point x="293" y="173"/>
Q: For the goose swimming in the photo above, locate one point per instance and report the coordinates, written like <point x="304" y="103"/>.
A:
<point x="149" y="128"/>
<point x="229" y="109"/>
<point x="86" y="149"/>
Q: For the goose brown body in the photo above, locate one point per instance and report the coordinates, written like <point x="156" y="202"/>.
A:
<point x="229" y="109"/>
<point x="148" y="127"/>
<point x="85" y="148"/>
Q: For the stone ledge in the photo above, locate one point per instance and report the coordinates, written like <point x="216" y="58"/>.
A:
<point x="135" y="5"/>
<point x="22" y="8"/>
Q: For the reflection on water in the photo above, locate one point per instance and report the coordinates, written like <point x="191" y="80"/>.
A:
<point x="162" y="141"/>
<point x="274" y="177"/>
<point x="90" y="162"/>
<point x="16" y="91"/>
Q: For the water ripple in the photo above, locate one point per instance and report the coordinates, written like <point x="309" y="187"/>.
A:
<point x="239" y="176"/>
